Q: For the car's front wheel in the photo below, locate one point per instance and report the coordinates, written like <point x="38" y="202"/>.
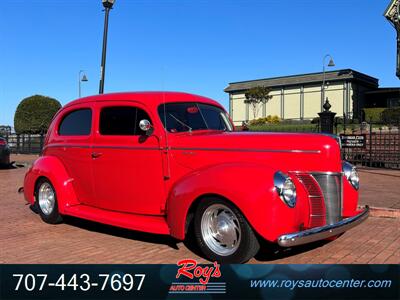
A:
<point x="222" y="232"/>
<point x="46" y="202"/>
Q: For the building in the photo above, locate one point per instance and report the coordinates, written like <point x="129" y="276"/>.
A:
<point x="300" y="96"/>
<point x="383" y="97"/>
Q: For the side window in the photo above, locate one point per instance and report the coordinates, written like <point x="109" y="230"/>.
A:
<point x="78" y="122"/>
<point x="121" y="120"/>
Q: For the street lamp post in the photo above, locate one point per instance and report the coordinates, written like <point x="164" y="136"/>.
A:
<point x="392" y="14"/>
<point x="330" y="64"/>
<point x="108" y="4"/>
<point x="81" y="79"/>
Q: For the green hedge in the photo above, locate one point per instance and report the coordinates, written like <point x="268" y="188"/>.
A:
<point x="374" y="114"/>
<point x="34" y="114"/>
<point x="284" y="127"/>
<point x="391" y="115"/>
<point x="294" y="122"/>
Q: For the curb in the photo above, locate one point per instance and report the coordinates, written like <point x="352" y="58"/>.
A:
<point x="383" y="212"/>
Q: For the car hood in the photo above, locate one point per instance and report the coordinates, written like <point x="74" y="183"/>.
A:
<point x="255" y="140"/>
<point x="253" y="145"/>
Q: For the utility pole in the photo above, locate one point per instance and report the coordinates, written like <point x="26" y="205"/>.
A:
<point x="108" y="4"/>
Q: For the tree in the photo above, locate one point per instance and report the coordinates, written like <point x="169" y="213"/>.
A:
<point x="34" y="114"/>
<point x="257" y="95"/>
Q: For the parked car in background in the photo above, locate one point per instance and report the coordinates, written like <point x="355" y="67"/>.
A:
<point x="170" y="163"/>
<point x="4" y="153"/>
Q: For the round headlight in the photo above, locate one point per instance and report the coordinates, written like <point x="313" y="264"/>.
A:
<point x="351" y="174"/>
<point x="285" y="188"/>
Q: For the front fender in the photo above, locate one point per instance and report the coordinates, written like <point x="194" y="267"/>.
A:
<point x="350" y="199"/>
<point x="53" y="169"/>
<point x="248" y="186"/>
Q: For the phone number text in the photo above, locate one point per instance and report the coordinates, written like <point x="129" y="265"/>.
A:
<point x="116" y="282"/>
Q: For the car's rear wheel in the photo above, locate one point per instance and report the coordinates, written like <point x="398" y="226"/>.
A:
<point x="222" y="232"/>
<point x="46" y="202"/>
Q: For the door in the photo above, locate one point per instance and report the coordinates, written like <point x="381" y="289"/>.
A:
<point x="71" y="144"/>
<point x="127" y="164"/>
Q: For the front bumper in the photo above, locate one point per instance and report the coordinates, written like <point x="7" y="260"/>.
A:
<point x="323" y="232"/>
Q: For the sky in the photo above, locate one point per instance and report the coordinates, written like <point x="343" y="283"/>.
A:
<point x="196" y="46"/>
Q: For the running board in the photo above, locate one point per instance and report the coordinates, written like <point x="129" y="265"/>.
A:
<point x="150" y="224"/>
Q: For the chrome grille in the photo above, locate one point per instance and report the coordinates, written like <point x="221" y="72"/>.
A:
<point x="331" y="187"/>
<point x="316" y="199"/>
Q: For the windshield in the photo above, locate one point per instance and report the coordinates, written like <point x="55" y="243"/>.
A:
<point x="189" y="116"/>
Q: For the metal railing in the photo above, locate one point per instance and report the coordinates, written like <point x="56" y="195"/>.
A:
<point x="381" y="149"/>
<point x="382" y="145"/>
<point x="25" y="143"/>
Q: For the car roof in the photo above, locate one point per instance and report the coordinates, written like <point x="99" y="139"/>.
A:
<point x="148" y="98"/>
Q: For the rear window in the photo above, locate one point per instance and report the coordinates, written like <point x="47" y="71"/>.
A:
<point x="78" y="122"/>
<point x="121" y="120"/>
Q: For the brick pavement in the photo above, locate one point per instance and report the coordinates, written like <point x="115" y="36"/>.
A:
<point x="380" y="187"/>
<point x="23" y="158"/>
<point x="24" y="238"/>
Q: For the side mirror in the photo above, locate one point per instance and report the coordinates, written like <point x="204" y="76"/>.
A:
<point x="146" y="126"/>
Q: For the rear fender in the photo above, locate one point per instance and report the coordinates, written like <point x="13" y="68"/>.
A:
<point x="248" y="186"/>
<point x="51" y="168"/>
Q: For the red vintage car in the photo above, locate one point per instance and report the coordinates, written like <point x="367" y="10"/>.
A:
<point x="170" y="163"/>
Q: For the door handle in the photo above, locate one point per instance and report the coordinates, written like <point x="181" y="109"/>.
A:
<point x="96" y="154"/>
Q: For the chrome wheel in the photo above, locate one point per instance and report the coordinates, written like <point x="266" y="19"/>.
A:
<point x="220" y="229"/>
<point x="46" y="198"/>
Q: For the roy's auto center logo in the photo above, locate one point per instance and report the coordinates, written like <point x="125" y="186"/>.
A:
<point x="194" y="279"/>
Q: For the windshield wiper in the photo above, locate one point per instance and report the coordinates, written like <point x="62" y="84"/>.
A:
<point x="180" y="122"/>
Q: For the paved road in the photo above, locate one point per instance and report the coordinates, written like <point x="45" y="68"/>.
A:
<point x="24" y="238"/>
